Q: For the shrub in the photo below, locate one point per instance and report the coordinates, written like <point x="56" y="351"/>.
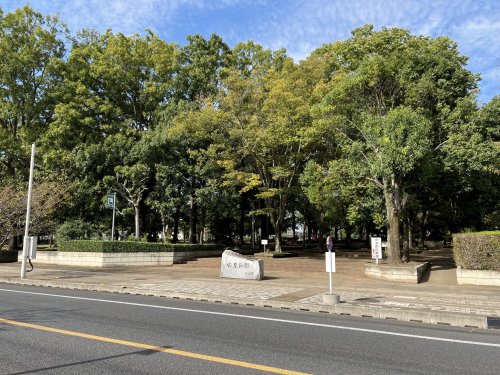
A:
<point x="74" y="230"/>
<point x="130" y="246"/>
<point x="8" y="256"/>
<point x="477" y="251"/>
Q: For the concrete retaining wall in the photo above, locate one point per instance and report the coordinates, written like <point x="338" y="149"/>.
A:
<point x="404" y="273"/>
<point x="478" y="277"/>
<point x="90" y="259"/>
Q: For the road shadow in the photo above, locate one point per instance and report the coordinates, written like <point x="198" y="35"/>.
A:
<point x="89" y="361"/>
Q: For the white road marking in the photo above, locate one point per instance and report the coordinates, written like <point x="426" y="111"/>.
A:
<point x="366" y="330"/>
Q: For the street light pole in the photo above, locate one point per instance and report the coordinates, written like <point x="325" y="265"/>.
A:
<point x="28" y="212"/>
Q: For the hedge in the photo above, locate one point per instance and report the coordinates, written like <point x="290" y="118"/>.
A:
<point x="477" y="251"/>
<point x="8" y="256"/>
<point x="130" y="246"/>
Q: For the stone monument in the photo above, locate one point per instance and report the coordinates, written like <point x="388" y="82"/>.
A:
<point x="237" y="266"/>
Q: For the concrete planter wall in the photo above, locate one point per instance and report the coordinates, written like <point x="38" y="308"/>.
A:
<point x="478" y="277"/>
<point x="403" y="273"/>
<point x="90" y="259"/>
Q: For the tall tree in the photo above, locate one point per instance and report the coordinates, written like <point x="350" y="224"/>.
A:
<point x="270" y="116"/>
<point x="391" y="93"/>
<point x="198" y="80"/>
<point x="115" y="89"/>
<point x="31" y="51"/>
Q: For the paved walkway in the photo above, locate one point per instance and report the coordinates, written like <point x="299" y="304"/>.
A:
<point x="290" y="283"/>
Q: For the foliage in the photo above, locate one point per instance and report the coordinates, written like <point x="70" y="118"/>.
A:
<point x="269" y="114"/>
<point x="391" y="94"/>
<point x="477" y="251"/>
<point x="129" y="246"/>
<point x="75" y="230"/>
<point x="377" y="132"/>
<point x="46" y="197"/>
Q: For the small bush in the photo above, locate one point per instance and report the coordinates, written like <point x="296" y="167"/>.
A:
<point x="477" y="251"/>
<point x="130" y="246"/>
<point x="74" y="230"/>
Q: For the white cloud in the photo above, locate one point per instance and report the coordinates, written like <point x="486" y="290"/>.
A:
<point x="298" y="25"/>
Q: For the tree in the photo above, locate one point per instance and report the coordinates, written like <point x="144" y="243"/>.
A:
<point x="46" y="197"/>
<point x="390" y="95"/>
<point x="115" y="90"/>
<point x="31" y="51"/>
<point x="270" y="114"/>
<point x="131" y="183"/>
<point x="202" y="64"/>
<point x="319" y="189"/>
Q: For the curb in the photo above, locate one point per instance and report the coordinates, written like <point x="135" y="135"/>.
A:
<point x="405" y="315"/>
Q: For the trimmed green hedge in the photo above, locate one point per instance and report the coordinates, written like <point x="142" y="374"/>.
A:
<point x="130" y="246"/>
<point x="477" y="251"/>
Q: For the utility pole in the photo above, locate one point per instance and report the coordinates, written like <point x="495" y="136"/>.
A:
<point x="28" y="212"/>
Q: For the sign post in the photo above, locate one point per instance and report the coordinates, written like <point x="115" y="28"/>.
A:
<point x="330" y="266"/>
<point x="330" y="258"/>
<point x="330" y="299"/>
<point x="264" y="242"/>
<point x="376" y="243"/>
<point x="111" y="203"/>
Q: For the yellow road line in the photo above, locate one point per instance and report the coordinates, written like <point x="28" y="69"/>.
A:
<point x="155" y="348"/>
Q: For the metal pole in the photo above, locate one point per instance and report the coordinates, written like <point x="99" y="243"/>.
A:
<point x="28" y="212"/>
<point x="113" y="223"/>
<point x="331" y="266"/>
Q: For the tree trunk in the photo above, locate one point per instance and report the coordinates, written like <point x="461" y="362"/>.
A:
<point x="202" y="225"/>
<point x="276" y="222"/>
<point x="392" y="208"/>
<point x="294" y="223"/>
<point x="422" y="221"/>
<point x="253" y="232"/>
<point x="348" y="235"/>
<point x="410" y="236"/>
<point x="193" y="218"/>
<point x="163" y="231"/>
<point x="405" y="252"/>
<point x="241" y="226"/>
<point x="320" y="230"/>
<point x="137" y="221"/>
<point x="175" y="235"/>
<point x="277" y="248"/>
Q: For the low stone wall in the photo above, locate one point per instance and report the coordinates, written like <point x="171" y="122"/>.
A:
<point x="478" y="277"/>
<point x="407" y="273"/>
<point x="90" y="259"/>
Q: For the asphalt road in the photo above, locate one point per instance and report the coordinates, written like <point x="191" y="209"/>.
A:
<point x="53" y="331"/>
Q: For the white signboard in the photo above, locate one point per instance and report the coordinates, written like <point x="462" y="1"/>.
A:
<point x="376" y="243"/>
<point x="264" y="242"/>
<point x="330" y="261"/>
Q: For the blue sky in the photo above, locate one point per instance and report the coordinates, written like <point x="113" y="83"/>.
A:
<point x="300" y="26"/>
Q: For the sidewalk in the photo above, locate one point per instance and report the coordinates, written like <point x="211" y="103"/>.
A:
<point x="290" y="283"/>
